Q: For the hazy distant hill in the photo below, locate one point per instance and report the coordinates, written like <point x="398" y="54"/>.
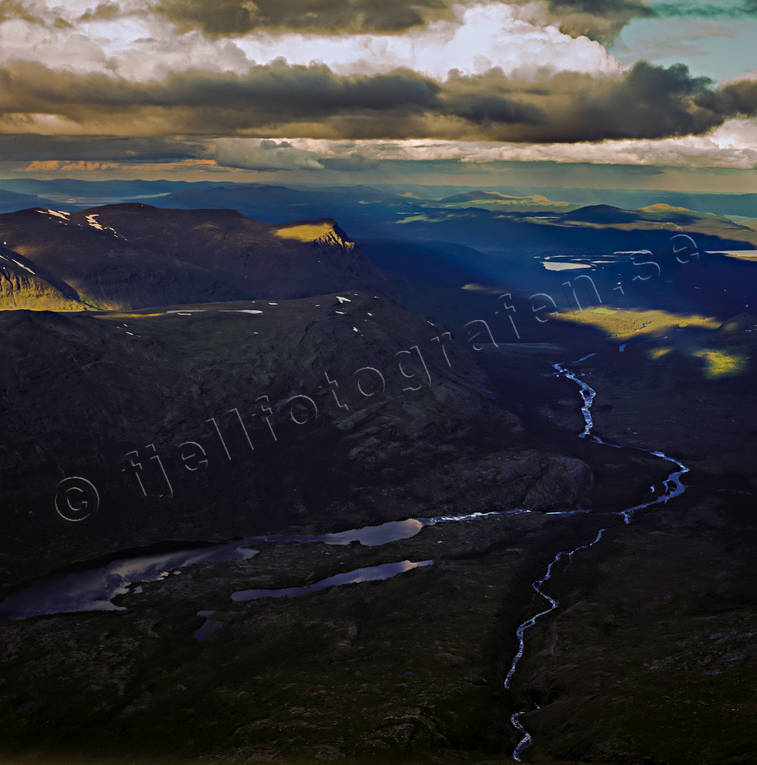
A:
<point x="278" y="203"/>
<point x="496" y="200"/>
<point x="11" y="200"/>
<point x="660" y="216"/>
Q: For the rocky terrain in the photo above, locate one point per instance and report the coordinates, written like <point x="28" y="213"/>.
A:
<point x="325" y="412"/>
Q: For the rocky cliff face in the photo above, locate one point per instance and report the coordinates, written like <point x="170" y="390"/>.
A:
<point x="23" y="290"/>
<point x="21" y="286"/>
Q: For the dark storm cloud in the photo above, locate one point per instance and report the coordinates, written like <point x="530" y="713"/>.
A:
<point x="646" y="102"/>
<point x="207" y="103"/>
<point x="599" y="19"/>
<point x="736" y="98"/>
<point x="297" y="101"/>
<point x="101" y="12"/>
<point x="264" y="94"/>
<point x="237" y="17"/>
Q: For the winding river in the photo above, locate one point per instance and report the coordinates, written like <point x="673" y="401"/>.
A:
<point x="673" y="487"/>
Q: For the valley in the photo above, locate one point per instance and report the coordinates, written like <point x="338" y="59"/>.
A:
<point x="377" y="382"/>
<point x="320" y="519"/>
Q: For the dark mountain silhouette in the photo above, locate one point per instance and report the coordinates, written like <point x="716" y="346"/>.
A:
<point x="133" y="255"/>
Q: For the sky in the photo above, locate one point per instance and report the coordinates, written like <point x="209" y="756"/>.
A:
<point x="653" y="94"/>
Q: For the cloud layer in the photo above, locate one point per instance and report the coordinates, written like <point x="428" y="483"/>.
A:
<point x="732" y="145"/>
<point x="258" y="84"/>
<point x="279" y="99"/>
<point x="139" y="46"/>
<point x="599" y="19"/>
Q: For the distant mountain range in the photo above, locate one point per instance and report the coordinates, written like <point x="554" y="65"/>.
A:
<point x="349" y="204"/>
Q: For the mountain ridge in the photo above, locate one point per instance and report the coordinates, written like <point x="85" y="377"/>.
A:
<point x="133" y="255"/>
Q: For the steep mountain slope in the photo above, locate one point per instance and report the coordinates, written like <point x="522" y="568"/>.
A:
<point x="134" y="255"/>
<point x="353" y="414"/>
<point x="23" y="287"/>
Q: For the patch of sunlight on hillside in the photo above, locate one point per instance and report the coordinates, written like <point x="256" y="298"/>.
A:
<point x="663" y="208"/>
<point x="500" y="201"/>
<point x="473" y="287"/>
<point x="748" y="255"/>
<point x="658" y="353"/>
<point x="127" y="315"/>
<point x="307" y="232"/>
<point x="414" y="219"/>
<point x="624" y="324"/>
<point x="721" y="363"/>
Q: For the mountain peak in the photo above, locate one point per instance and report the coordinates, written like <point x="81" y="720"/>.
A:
<point x="319" y="232"/>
